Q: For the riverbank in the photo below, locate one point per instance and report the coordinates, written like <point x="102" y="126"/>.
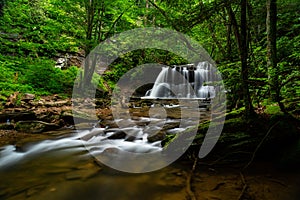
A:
<point x="63" y="169"/>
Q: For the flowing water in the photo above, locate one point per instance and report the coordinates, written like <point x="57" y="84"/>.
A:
<point x="62" y="168"/>
<point x="66" y="167"/>
<point x="186" y="81"/>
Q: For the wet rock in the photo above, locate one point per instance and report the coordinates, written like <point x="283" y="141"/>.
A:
<point x="143" y="122"/>
<point x="108" y="123"/>
<point x="161" y="135"/>
<point x="130" y="138"/>
<point x="171" y="125"/>
<point x="174" y="113"/>
<point x="119" y="134"/>
<point x="84" y="126"/>
<point x="93" y="133"/>
<point x="35" y="126"/>
<point x="132" y="131"/>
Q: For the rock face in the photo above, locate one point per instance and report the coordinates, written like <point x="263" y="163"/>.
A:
<point x="17" y="116"/>
<point x="52" y="109"/>
<point x="35" y="126"/>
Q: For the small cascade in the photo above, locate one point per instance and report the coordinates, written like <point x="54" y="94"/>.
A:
<point x="184" y="81"/>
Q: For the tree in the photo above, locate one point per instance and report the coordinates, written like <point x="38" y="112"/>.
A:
<point x="244" y="57"/>
<point x="242" y="40"/>
<point x="101" y="20"/>
<point x="273" y="71"/>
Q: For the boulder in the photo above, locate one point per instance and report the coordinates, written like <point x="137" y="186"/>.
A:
<point x="119" y="134"/>
<point x="35" y="126"/>
<point x="161" y="135"/>
<point x="28" y="97"/>
<point x="171" y="125"/>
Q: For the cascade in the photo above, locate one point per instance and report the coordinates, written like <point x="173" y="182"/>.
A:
<point x="184" y="81"/>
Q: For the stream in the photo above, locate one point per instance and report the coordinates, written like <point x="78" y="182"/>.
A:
<point x="62" y="169"/>
<point x="67" y="167"/>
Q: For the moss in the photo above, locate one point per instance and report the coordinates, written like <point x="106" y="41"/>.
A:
<point x="6" y="126"/>
<point x="273" y="110"/>
<point x="235" y="113"/>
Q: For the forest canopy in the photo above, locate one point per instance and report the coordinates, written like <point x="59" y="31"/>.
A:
<point x="254" y="43"/>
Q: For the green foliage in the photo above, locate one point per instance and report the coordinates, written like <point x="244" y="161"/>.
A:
<point x="34" y="76"/>
<point x="44" y="77"/>
<point x="39" y="28"/>
<point x="272" y="109"/>
<point x="32" y="33"/>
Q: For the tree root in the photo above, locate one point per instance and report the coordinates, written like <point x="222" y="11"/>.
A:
<point x="245" y="186"/>
<point x="189" y="190"/>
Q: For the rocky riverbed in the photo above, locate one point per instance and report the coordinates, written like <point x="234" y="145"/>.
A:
<point x="23" y="117"/>
<point x="51" y="169"/>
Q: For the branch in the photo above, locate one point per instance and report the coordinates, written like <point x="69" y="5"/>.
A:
<point x="113" y="25"/>
<point x="169" y="21"/>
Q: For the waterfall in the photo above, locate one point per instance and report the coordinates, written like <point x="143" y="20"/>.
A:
<point x="183" y="81"/>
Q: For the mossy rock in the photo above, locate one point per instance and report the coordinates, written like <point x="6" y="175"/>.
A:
<point x="35" y="126"/>
<point x="161" y="135"/>
<point x="6" y="126"/>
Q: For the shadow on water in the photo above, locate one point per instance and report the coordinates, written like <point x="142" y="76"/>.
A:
<point x="63" y="169"/>
<point x="70" y="173"/>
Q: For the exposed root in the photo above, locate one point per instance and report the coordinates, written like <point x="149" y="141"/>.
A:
<point x="245" y="186"/>
<point x="189" y="190"/>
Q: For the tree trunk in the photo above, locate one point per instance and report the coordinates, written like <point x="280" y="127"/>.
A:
<point x="90" y="8"/>
<point x="228" y="43"/>
<point x="273" y="71"/>
<point x="244" y="57"/>
<point x="233" y="22"/>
